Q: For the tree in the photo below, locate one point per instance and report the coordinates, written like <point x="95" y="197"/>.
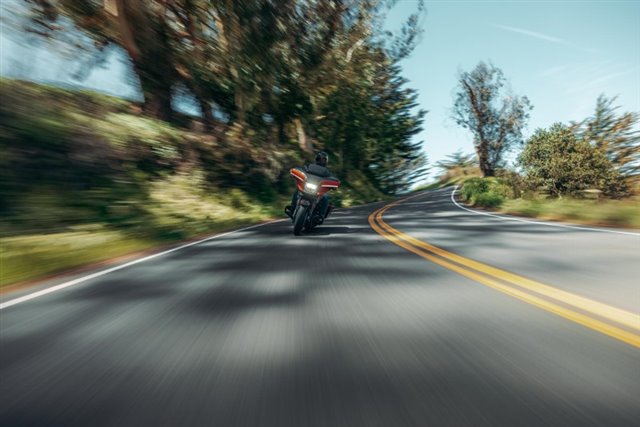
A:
<point x="370" y="122"/>
<point x="321" y="72"/>
<point x="617" y="135"/>
<point x="142" y="28"/>
<point x="457" y="160"/>
<point x="558" y="160"/>
<point x="456" y="165"/>
<point x="494" y="117"/>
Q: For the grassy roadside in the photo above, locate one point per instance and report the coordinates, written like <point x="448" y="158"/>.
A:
<point x="85" y="177"/>
<point x="607" y="213"/>
<point x="175" y="210"/>
<point x="28" y="257"/>
<point x="498" y="195"/>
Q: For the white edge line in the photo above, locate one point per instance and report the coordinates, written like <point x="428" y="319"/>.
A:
<point x="550" y="224"/>
<point x="73" y="282"/>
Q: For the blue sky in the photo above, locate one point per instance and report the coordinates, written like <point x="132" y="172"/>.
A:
<point x="561" y="54"/>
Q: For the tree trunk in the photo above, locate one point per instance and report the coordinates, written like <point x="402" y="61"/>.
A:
<point x="157" y="103"/>
<point x="303" y="142"/>
<point x="483" y="160"/>
<point x="147" y="46"/>
<point x="157" y="94"/>
<point x="487" y="171"/>
<point x="207" y="114"/>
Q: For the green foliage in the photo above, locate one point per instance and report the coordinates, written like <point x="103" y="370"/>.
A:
<point x="617" y="135"/>
<point x="375" y="137"/>
<point x="457" y="160"/>
<point x="489" y="199"/>
<point x="497" y="193"/>
<point x="612" y="213"/>
<point x="323" y="74"/>
<point x="557" y="161"/>
<point x="495" y="118"/>
<point x="512" y="179"/>
<point x="485" y="192"/>
<point x="86" y="158"/>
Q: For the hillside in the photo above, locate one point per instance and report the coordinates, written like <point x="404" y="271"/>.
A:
<point x="86" y="177"/>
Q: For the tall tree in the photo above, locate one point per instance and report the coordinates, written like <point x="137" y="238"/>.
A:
<point x="494" y="116"/>
<point x="616" y="134"/>
<point x="370" y="123"/>
<point x="322" y="72"/>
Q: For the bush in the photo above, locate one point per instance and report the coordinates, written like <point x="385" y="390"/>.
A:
<point x="486" y="192"/>
<point x="556" y="160"/>
<point x="473" y="187"/>
<point x="490" y="199"/>
<point x="517" y="185"/>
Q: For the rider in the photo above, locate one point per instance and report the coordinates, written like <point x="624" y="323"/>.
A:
<point x="318" y="168"/>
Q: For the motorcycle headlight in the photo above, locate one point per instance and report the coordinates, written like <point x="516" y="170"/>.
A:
<point x="310" y="188"/>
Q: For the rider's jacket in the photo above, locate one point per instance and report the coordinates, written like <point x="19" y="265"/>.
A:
<point x="317" y="170"/>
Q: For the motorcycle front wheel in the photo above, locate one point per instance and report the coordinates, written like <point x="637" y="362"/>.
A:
<point x="298" y="222"/>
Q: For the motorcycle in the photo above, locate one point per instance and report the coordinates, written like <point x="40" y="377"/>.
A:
<point x="306" y="212"/>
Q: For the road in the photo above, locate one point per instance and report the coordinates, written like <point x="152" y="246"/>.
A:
<point x="341" y="327"/>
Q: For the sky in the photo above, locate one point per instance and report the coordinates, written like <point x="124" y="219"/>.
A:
<point x="560" y="54"/>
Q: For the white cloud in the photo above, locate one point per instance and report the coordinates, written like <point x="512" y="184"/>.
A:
<point x="532" y="34"/>
<point x="544" y="37"/>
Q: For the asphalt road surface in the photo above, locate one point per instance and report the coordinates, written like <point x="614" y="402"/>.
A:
<point x="503" y="323"/>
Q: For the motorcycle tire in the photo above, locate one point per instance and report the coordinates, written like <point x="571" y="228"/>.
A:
<point x="299" y="221"/>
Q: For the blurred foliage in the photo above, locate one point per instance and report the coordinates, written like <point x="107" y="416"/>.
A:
<point x="606" y="212"/>
<point x="488" y="192"/>
<point x="88" y="164"/>
<point x="322" y="74"/>
<point x="499" y="193"/>
<point x="617" y="135"/>
<point x="559" y="162"/>
<point x="495" y="118"/>
<point x="85" y="158"/>
<point x="519" y="186"/>
<point x="274" y="81"/>
<point x="457" y="166"/>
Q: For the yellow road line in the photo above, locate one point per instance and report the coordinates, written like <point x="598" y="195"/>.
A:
<point x="489" y="273"/>
<point x="615" y="314"/>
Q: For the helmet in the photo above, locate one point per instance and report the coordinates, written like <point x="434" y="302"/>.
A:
<point x="322" y="158"/>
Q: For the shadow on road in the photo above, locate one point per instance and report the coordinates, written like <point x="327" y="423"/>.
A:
<point x="327" y="231"/>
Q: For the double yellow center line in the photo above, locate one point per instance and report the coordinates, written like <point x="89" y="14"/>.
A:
<point x="611" y="321"/>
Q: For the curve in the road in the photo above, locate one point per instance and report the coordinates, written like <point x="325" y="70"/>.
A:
<point x="548" y="224"/>
<point x="592" y="314"/>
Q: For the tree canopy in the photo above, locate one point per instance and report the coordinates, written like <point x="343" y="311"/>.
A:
<point x="322" y="74"/>
<point x="557" y="160"/>
<point x="494" y="116"/>
<point x="616" y="134"/>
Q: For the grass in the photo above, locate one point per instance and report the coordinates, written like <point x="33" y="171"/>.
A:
<point x="28" y="257"/>
<point x="177" y="208"/>
<point x="610" y="213"/>
<point x="496" y="194"/>
<point x="85" y="178"/>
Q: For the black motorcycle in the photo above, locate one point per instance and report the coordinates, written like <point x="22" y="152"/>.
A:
<point x="305" y="212"/>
